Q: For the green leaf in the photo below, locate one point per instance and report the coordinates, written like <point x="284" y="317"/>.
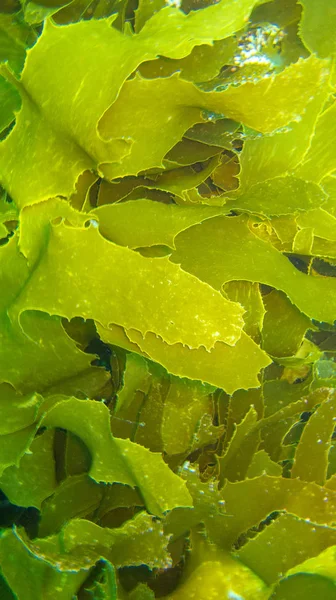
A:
<point x="318" y="27"/>
<point x="117" y="460"/>
<point x="176" y="105"/>
<point x="129" y="301"/>
<point x="284" y="325"/>
<point x="311" y="456"/>
<point x="249" y="296"/>
<point x="261" y="464"/>
<point x="15" y="37"/>
<point x="292" y="541"/>
<point x="185" y="404"/>
<point x="280" y="196"/>
<point x="17" y="411"/>
<point x="222" y="575"/>
<point x="75" y="497"/>
<point x="41" y="355"/>
<point x="136" y="377"/>
<point x="41" y="580"/>
<point x="150" y="415"/>
<point x="250" y="501"/>
<point x="36" y="12"/>
<point x="313" y="578"/>
<point x="65" y="142"/>
<point x="179" y="32"/>
<point x="322" y="222"/>
<point x="208" y="505"/>
<point x="220" y="367"/>
<point x="251" y="259"/>
<point x="14" y="446"/>
<point x="235" y="462"/>
<point x="138" y="223"/>
<point x="34" y="479"/>
<point x="105" y="587"/>
<point x="319" y="161"/>
<point x="139" y="541"/>
<point x="141" y="592"/>
<point x="10" y="102"/>
<point x="267" y="156"/>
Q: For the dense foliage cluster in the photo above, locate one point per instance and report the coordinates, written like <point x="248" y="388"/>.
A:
<point x="168" y="298"/>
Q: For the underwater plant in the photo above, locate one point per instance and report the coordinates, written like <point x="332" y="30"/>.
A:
<point x="167" y="300"/>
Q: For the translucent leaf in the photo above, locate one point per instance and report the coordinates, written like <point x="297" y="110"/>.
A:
<point x="119" y="296"/>
<point x="64" y="142"/>
<point x="14" y="446"/>
<point x="43" y="355"/>
<point x="139" y="541"/>
<point x="181" y="32"/>
<point x="222" y="577"/>
<point x="76" y="496"/>
<point x="35" y="225"/>
<point x="150" y="414"/>
<point x="234" y="463"/>
<point x="311" y="456"/>
<point x="231" y="251"/>
<point x="284" y="325"/>
<point x="117" y="460"/>
<point x="280" y="196"/>
<point x="208" y="505"/>
<point x="221" y="132"/>
<point x="145" y="10"/>
<point x="34" y="479"/>
<point x="136" y="377"/>
<point x="283" y="544"/>
<point x="322" y="222"/>
<point x="313" y="578"/>
<point x="250" y="501"/>
<point x="305" y="586"/>
<point x="10" y="102"/>
<point x="318" y="27"/>
<point x="249" y="296"/>
<point x="41" y="580"/>
<point x="185" y="404"/>
<point x="15" y="36"/>
<point x="138" y="223"/>
<point x="219" y="367"/>
<point x="267" y="156"/>
<point x="303" y="241"/>
<point x="202" y="64"/>
<point x="182" y="181"/>
<point x="105" y="587"/>
<point x="141" y="592"/>
<point x="188" y="152"/>
<point x="261" y="464"/>
<point x="176" y="105"/>
<point x="319" y="161"/>
<point x="17" y="411"/>
<point x="36" y="12"/>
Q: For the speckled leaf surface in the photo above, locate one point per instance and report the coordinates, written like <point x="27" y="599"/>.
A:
<point x="167" y="300"/>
